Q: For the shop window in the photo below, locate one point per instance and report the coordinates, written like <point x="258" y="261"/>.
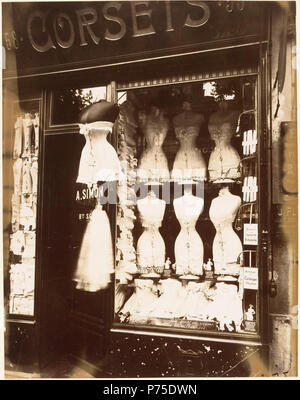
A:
<point x="67" y="103"/>
<point x="187" y="229"/>
<point x="22" y="159"/>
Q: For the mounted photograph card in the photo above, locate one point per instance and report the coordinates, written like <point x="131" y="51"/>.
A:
<point x="251" y="278"/>
<point x="251" y="234"/>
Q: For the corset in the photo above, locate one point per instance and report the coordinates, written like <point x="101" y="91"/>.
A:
<point x="153" y="164"/>
<point x="99" y="160"/>
<point x="151" y="225"/>
<point x="150" y="246"/>
<point x="189" y="163"/>
<point x="223" y="225"/>
<point x="227" y="246"/>
<point x="221" y="132"/>
<point x="187" y="136"/>
<point x="224" y="160"/>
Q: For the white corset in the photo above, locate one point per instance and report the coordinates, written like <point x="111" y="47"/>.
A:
<point x="153" y="164"/>
<point x="99" y="160"/>
<point x="188" y="244"/>
<point x="224" y="160"/>
<point x="151" y="250"/>
<point x="189" y="163"/>
<point x="227" y="246"/>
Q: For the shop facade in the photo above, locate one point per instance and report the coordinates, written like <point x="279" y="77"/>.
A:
<point x="193" y="224"/>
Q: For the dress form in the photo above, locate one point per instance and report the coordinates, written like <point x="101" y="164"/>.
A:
<point x="189" y="162"/>
<point x="99" y="160"/>
<point x="153" y="164"/>
<point x="227" y="246"/>
<point x="151" y="250"/>
<point x="188" y="244"/>
<point x="224" y="160"/>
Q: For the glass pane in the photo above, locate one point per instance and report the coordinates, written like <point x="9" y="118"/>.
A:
<point x="67" y="103"/>
<point x="187" y="230"/>
<point x="21" y="151"/>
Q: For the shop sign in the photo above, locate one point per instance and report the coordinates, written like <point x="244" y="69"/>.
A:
<point x="43" y="36"/>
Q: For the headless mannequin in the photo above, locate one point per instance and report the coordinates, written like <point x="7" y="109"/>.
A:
<point x="153" y="164"/>
<point x="150" y="246"/>
<point x="224" y="160"/>
<point x="189" y="162"/>
<point x="99" y="160"/>
<point x="227" y="246"/>
<point x="188" y="244"/>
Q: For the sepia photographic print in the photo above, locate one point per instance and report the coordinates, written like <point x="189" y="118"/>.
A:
<point x="149" y="191"/>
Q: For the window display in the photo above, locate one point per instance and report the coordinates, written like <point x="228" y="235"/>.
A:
<point x="22" y="247"/>
<point x="98" y="163"/>
<point x="187" y="210"/>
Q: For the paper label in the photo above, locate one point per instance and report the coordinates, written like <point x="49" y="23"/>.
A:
<point x="250" y="278"/>
<point x="251" y="234"/>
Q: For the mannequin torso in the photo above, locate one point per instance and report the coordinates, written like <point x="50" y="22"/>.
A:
<point x="150" y="245"/>
<point x="189" y="162"/>
<point x="99" y="160"/>
<point x="153" y="164"/>
<point x="226" y="245"/>
<point x="188" y="244"/>
<point x="224" y="159"/>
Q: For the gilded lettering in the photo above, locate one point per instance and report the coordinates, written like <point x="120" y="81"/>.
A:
<point x="149" y="30"/>
<point x="37" y="46"/>
<point x="195" y="23"/>
<point x="65" y="44"/>
<point x="114" y="36"/>
<point x="83" y="21"/>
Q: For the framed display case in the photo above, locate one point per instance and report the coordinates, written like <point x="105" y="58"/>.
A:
<point x="188" y="215"/>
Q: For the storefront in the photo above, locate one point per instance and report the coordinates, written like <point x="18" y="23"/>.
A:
<point x="172" y="272"/>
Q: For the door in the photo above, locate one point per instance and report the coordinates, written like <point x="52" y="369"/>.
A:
<point x="72" y="321"/>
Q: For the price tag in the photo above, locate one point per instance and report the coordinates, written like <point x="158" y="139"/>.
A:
<point x="250" y="278"/>
<point x="251" y="234"/>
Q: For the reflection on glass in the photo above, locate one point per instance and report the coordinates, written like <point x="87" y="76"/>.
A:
<point x="210" y="296"/>
<point x="67" y="103"/>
